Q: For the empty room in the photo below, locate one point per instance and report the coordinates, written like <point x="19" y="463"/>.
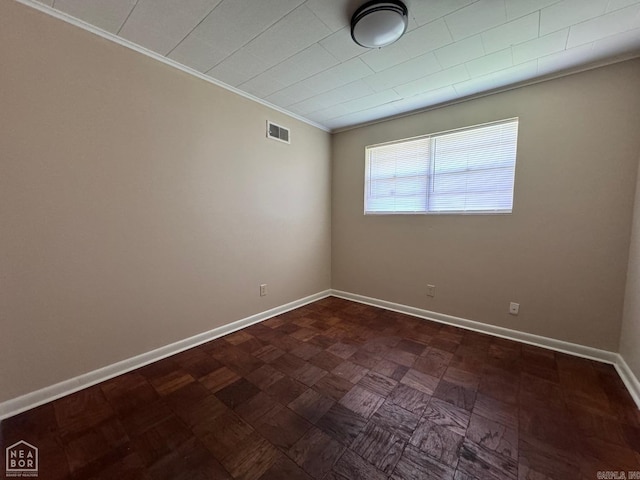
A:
<point x="320" y="239"/>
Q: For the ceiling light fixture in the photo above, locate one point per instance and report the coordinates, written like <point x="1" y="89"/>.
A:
<point x="377" y="23"/>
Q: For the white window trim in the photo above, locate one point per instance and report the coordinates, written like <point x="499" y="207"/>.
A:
<point x="431" y="176"/>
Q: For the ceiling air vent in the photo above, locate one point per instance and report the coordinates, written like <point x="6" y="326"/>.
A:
<point x="277" y="132"/>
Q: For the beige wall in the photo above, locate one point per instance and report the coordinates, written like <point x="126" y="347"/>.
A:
<point x="138" y="204"/>
<point x="562" y="254"/>
<point x="630" y="335"/>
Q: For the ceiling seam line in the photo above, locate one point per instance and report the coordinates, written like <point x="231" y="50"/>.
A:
<point x="128" y="15"/>
<point x="321" y="21"/>
<point x="192" y="30"/>
<point x="284" y="60"/>
<point x="256" y="36"/>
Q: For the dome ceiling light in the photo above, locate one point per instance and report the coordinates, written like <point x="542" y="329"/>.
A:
<point x="377" y="24"/>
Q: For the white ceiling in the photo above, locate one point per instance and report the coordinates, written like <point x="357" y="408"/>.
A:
<point x="299" y="56"/>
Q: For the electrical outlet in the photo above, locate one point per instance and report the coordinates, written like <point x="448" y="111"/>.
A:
<point x="514" y="308"/>
<point x="431" y="290"/>
<point x="263" y="290"/>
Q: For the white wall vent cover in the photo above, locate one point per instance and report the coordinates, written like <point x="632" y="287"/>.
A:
<point x="277" y="132"/>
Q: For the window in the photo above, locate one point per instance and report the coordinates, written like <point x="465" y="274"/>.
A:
<point x="470" y="170"/>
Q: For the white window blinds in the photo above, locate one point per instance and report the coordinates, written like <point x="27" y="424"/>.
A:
<point x="469" y="170"/>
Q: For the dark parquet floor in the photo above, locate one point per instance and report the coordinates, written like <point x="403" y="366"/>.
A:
<point x="338" y="390"/>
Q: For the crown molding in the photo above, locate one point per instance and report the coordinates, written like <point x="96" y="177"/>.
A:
<point x="160" y="58"/>
<point x="494" y="91"/>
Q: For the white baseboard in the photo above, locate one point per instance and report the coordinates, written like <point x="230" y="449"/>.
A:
<point x="25" y="402"/>
<point x="15" y="406"/>
<point x="523" y="337"/>
<point x="629" y="379"/>
<point x="605" y="356"/>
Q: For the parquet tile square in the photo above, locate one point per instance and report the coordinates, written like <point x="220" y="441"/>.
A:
<point x="416" y="465"/>
<point x="395" y="419"/>
<point x="238" y="337"/>
<point x="342" y="424"/>
<point x="254" y="410"/>
<point x="444" y="343"/>
<point x="306" y="351"/>
<point x="285" y="468"/>
<point x="184" y="399"/>
<point x="468" y="380"/>
<point x="558" y="430"/>
<point x="350" y="371"/>
<point x="449" y="416"/>
<point x="322" y="341"/>
<point x="265" y="376"/>
<point x="268" y="353"/>
<point x="409" y="398"/>
<point x="252" y="345"/>
<point x="52" y="457"/>
<point x="325" y="360"/>
<point x="455" y="394"/>
<point x="172" y="381"/>
<point x="82" y="410"/>
<point x="501" y="412"/>
<point x="379" y="447"/>
<point x="378" y="383"/>
<point x="353" y="467"/>
<point x="199" y="365"/>
<point x="479" y="462"/>
<point x="127" y="468"/>
<point x="437" y="442"/>
<point x="251" y="458"/>
<point x="365" y="359"/>
<point x="493" y="436"/>
<point x="285" y="342"/>
<point x="288" y="363"/>
<point x="498" y="388"/>
<point x="219" y="379"/>
<point x="611" y="456"/>
<point x="142" y="420"/>
<point x="288" y="328"/>
<point x="631" y="436"/>
<point x="160" y="440"/>
<point x="362" y="401"/>
<point x="221" y="434"/>
<point x="433" y="362"/>
<point x="311" y="405"/>
<point x="94" y="444"/>
<point x="189" y="461"/>
<point x="316" y="452"/>
<point x="206" y="409"/>
<point x="333" y="386"/>
<point x="36" y="423"/>
<point x="308" y="374"/>
<point x="157" y="370"/>
<point x="286" y="390"/>
<point x="401" y="357"/>
<point x="539" y="460"/>
<point x="391" y="369"/>
<point x="411" y="347"/>
<point x="338" y="390"/>
<point x="420" y="381"/>
<point x="283" y="428"/>
<point x="342" y="350"/>
<point x="236" y="359"/>
<point x="128" y="392"/>
<point x="238" y="392"/>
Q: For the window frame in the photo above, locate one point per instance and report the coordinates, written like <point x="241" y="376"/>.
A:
<point x="431" y="168"/>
